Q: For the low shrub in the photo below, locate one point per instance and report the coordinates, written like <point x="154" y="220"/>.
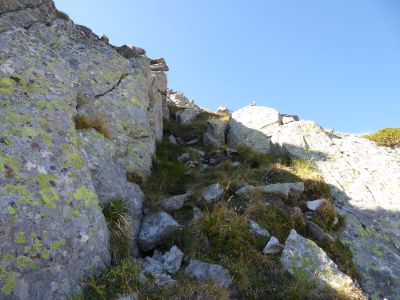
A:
<point x="388" y="137"/>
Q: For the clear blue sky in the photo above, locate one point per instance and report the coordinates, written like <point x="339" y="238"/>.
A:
<point x="333" y="61"/>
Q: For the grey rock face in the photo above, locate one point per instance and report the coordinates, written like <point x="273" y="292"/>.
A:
<point x="175" y="202"/>
<point x="273" y="246"/>
<point x="155" y="229"/>
<point x="186" y="116"/>
<point x="252" y="126"/>
<point x="156" y="269"/>
<point x="304" y="259"/>
<point x="206" y="271"/>
<point x="364" y="180"/>
<point x="213" y="192"/>
<point x="52" y="72"/>
<point x="285" y="190"/>
<point x="257" y="230"/>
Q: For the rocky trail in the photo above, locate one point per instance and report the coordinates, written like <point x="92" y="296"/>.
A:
<point x="112" y="186"/>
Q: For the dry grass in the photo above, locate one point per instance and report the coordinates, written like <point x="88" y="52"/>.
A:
<point x="119" y="223"/>
<point x="97" y="123"/>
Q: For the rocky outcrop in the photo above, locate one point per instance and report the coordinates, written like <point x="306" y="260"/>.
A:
<point x="179" y="99"/>
<point x="364" y="180"/>
<point x="364" y="184"/>
<point x="76" y="117"/>
<point x="252" y="126"/>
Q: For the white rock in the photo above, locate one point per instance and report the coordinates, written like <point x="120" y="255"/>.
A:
<point x="314" y="204"/>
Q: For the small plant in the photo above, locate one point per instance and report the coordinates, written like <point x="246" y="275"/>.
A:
<point x="134" y="178"/>
<point x="115" y="281"/>
<point x="119" y="223"/>
<point x="99" y="124"/>
<point x="388" y="137"/>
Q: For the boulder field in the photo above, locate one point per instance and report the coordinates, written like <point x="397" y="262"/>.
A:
<point x="80" y="121"/>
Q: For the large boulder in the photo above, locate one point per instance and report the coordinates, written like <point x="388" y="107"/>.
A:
<point x="252" y="126"/>
<point x="305" y="260"/>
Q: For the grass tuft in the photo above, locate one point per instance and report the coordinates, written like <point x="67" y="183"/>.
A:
<point x="99" y="124"/>
<point x="387" y="137"/>
<point x="119" y="223"/>
<point x="134" y="178"/>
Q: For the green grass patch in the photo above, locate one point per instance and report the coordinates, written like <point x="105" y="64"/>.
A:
<point x="119" y="223"/>
<point x="388" y="137"/>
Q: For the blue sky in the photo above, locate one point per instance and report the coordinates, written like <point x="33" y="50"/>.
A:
<point x="333" y="61"/>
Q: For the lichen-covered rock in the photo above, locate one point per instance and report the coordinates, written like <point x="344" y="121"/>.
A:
<point x="53" y="231"/>
<point x="206" y="271"/>
<point x="76" y="117"/>
<point x="252" y="126"/>
<point x="305" y="260"/>
<point x="364" y="181"/>
<point x="172" y="260"/>
<point x="155" y="229"/>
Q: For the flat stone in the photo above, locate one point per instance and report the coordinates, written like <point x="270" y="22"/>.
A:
<point x="192" y="142"/>
<point x="206" y="271"/>
<point x="285" y="190"/>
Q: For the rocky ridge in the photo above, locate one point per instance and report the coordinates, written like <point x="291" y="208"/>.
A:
<point x="80" y="121"/>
